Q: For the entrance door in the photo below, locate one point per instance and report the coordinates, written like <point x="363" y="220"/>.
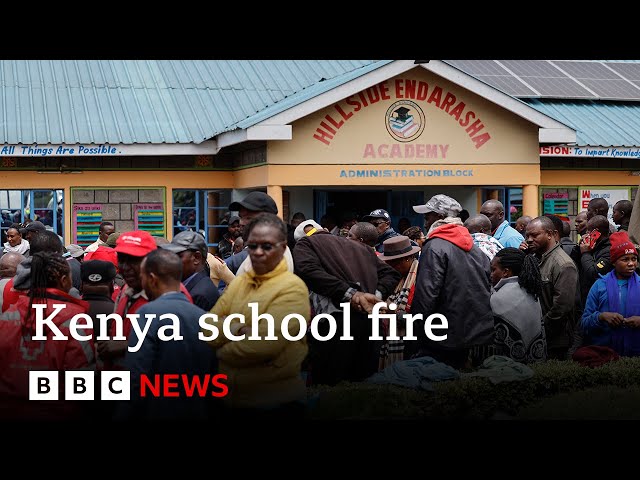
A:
<point x="338" y="202"/>
<point x="361" y="202"/>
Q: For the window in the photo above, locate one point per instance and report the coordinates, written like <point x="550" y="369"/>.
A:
<point x="202" y="211"/>
<point x="514" y="208"/>
<point x="511" y="199"/>
<point x="45" y="206"/>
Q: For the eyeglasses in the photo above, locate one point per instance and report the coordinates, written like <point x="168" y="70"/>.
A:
<point x="266" y="247"/>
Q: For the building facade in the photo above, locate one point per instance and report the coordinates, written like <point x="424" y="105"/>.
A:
<point x="373" y="135"/>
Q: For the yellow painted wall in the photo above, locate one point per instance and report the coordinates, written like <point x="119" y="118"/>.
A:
<point x="588" y="177"/>
<point x="362" y="132"/>
<point x="400" y="175"/>
<point x="251" y="177"/>
<point x="110" y="179"/>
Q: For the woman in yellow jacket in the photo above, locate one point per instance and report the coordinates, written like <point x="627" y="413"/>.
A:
<point x="264" y="376"/>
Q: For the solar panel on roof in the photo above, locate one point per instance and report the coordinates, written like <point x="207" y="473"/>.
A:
<point x="630" y="71"/>
<point x="587" y="70"/>
<point x="558" y="78"/>
<point x="532" y="68"/>
<point x="618" y="89"/>
<point x="510" y="85"/>
<point x="559" y="87"/>
<point x="480" y="67"/>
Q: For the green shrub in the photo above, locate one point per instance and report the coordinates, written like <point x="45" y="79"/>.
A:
<point x="599" y="403"/>
<point x="477" y="398"/>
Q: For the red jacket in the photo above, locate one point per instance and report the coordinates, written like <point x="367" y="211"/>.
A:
<point x="9" y="295"/>
<point x="19" y="355"/>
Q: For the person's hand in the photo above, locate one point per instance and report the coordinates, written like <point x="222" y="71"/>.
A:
<point x="364" y="302"/>
<point x="633" y="322"/>
<point x="523" y="246"/>
<point x="585" y="247"/>
<point x="220" y="271"/>
<point x="612" y="318"/>
<point x="111" y="349"/>
<point x="238" y="328"/>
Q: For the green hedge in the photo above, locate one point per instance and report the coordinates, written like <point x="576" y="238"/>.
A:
<point x="477" y="398"/>
<point x="599" y="403"/>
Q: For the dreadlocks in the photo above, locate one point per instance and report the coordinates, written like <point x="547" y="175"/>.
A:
<point x="524" y="266"/>
<point x="46" y="270"/>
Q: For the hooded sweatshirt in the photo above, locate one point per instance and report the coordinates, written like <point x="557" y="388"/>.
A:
<point x="444" y="221"/>
<point x="456" y="234"/>
<point x="453" y="280"/>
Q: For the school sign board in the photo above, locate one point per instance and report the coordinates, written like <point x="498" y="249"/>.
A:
<point x="611" y="194"/>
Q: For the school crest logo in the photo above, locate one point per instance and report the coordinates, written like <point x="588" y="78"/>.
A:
<point x="405" y="120"/>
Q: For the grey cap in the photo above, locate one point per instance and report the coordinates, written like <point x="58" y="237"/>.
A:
<point x="440" y="204"/>
<point x="75" y="250"/>
<point x="187" y="240"/>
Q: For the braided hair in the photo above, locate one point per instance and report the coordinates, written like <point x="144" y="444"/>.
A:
<point x="46" y="270"/>
<point x="525" y="267"/>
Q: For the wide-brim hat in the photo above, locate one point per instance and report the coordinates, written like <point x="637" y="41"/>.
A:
<point x="398" y="247"/>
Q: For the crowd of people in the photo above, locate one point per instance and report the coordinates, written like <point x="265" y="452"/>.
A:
<point x="529" y="293"/>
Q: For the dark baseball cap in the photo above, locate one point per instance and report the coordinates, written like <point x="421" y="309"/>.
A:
<point x="256" y="202"/>
<point x="379" y="213"/>
<point x="97" y="271"/>
<point x="35" y="227"/>
<point x="187" y="240"/>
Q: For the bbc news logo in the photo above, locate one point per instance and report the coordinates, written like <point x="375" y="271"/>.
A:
<point x="116" y="385"/>
<point x="79" y="385"/>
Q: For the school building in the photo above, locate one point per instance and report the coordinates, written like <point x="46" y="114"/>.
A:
<point x="167" y="145"/>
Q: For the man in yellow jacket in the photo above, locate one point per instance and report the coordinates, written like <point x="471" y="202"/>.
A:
<point x="264" y="376"/>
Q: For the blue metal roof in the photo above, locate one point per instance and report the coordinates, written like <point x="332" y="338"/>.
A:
<point x="308" y="93"/>
<point x="190" y="101"/>
<point x="597" y="123"/>
<point x="154" y="101"/>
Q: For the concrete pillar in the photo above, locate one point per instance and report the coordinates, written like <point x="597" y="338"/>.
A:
<point x="67" y="215"/>
<point x="530" y="201"/>
<point x="275" y="192"/>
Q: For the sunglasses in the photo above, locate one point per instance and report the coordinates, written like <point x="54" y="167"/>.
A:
<point x="266" y="247"/>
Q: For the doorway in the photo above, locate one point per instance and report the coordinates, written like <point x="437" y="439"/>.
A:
<point x="361" y="202"/>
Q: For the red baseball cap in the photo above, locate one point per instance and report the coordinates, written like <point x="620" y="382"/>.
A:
<point x="137" y="243"/>
<point x="106" y="254"/>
